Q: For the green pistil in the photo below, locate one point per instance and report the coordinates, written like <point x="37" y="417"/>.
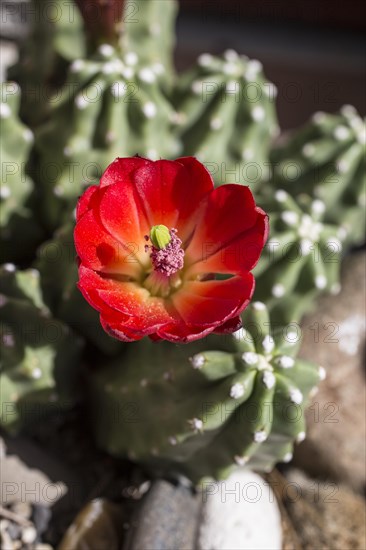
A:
<point x="160" y="236"/>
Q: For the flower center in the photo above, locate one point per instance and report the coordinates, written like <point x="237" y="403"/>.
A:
<point x="166" y="253"/>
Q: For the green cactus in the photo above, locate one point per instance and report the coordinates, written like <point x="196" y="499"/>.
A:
<point x="54" y="41"/>
<point x="227" y="117"/>
<point x="202" y="413"/>
<point x="59" y="275"/>
<point x="326" y="159"/>
<point x="40" y="355"/>
<point x="20" y="232"/>
<point x="112" y="106"/>
<point x="301" y="258"/>
<point x="148" y="31"/>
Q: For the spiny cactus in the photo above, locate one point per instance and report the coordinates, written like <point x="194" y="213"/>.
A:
<point x="148" y="30"/>
<point x="301" y="258"/>
<point x="20" y="233"/>
<point x="111" y="106"/>
<point x="227" y="116"/>
<point x="202" y="413"/>
<point x="59" y="275"/>
<point x="40" y="355"/>
<point x="54" y="41"/>
<point x="326" y="159"/>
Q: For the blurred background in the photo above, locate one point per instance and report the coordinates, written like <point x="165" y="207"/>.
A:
<point x="313" y="51"/>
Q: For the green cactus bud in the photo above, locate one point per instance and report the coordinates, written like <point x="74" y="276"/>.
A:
<point x="40" y="355"/>
<point x="20" y="232"/>
<point x="221" y="122"/>
<point x="328" y="161"/>
<point x="184" y="410"/>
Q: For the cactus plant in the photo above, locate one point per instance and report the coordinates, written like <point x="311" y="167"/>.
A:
<point x="58" y="275"/>
<point x="301" y="258"/>
<point x="111" y="106"/>
<point x="20" y="232"/>
<point x="148" y="30"/>
<point x="326" y="159"/>
<point x="202" y="413"/>
<point x="55" y="39"/>
<point x="227" y="118"/>
<point x="40" y="355"/>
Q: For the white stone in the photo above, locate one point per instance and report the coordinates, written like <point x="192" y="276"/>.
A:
<point x="350" y="333"/>
<point x="240" y="513"/>
<point x="278" y="290"/>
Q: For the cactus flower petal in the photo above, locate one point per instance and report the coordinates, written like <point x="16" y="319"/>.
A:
<point x="168" y="291"/>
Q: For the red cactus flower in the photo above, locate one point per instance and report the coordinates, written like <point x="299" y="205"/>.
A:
<point x="164" y="254"/>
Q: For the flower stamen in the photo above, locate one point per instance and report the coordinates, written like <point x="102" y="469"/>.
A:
<point x="167" y="256"/>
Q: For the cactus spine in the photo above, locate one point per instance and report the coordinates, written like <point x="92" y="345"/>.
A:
<point x="40" y="355"/>
<point x="326" y="159"/>
<point x="203" y="413"/>
<point x="227" y="117"/>
<point x="20" y="232"/>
